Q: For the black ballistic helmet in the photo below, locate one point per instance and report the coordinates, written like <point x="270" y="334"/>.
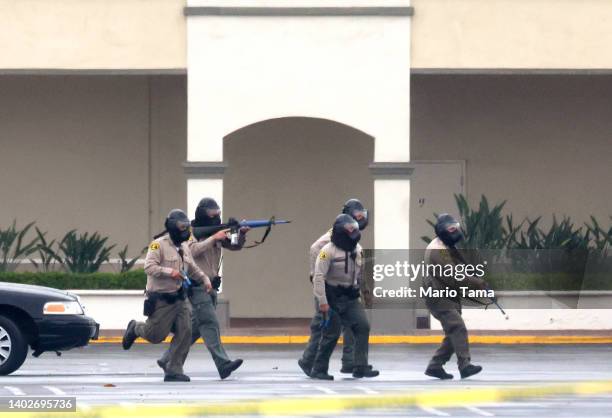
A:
<point x="345" y="232"/>
<point x="177" y="224"/>
<point x="354" y="208"/>
<point x="448" y="230"/>
<point x="207" y="213"/>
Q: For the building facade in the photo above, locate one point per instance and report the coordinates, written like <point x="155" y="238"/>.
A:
<point x="114" y="112"/>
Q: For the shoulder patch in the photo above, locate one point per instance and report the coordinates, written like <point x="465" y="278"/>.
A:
<point x="154" y="246"/>
<point x="322" y="255"/>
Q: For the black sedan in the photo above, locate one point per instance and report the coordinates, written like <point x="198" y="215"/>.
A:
<point x="42" y="318"/>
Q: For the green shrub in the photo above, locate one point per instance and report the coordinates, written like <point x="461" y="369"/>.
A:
<point x="134" y="280"/>
<point x="544" y="281"/>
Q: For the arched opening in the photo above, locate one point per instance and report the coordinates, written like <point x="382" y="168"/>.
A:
<point x="297" y="168"/>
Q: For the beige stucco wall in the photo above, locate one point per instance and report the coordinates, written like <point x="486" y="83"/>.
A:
<point x="92" y="34"/>
<point x="511" y="34"/>
<point x="75" y="153"/>
<point x="541" y="142"/>
<point x="151" y="34"/>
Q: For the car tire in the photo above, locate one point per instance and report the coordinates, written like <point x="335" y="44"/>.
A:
<point x="13" y="346"/>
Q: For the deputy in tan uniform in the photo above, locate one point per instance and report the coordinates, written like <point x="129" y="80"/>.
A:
<point x="337" y="275"/>
<point x="357" y="211"/>
<point x="442" y="251"/>
<point x="206" y="251"/>
<point x="167" y="264"/>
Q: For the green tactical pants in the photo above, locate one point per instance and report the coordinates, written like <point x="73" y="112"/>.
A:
<point x="310" y="352"/>
<point x="204" y="324"/>
<point x="455" y="334"/>
<point x="350" y="314"/>
<point x="167" y="317"/>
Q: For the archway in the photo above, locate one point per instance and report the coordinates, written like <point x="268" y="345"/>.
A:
<point x="296" y="168"/>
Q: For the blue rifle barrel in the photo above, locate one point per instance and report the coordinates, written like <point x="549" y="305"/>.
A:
<point x="260" y="223"/>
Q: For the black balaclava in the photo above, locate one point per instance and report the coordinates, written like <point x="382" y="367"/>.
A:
<point x="354" y="205"/>
<point x="177" y="225"/>
<point x="450" y="239"/>
<point x="202" y="218"/>
<point x="344" y="238"/>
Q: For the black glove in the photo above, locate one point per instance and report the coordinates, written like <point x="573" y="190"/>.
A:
<point x="311" y="278"/>
<point x="216" y="282"/>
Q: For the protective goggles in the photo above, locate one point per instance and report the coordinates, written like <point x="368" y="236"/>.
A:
<point x="453" y="227"/>
<point x="359" y="214"/>
<point x="350" y="227"/>
<point x="213" y="212"/>
<point x="182" y="225"/>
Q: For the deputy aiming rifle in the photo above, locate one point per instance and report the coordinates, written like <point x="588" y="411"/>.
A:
<point x="234" y="226"/>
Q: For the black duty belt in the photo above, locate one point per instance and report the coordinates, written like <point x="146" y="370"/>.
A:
<point x="333" y="292"/>
<point x="169" y="298"/>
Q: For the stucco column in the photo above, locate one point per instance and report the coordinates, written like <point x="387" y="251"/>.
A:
<point x="346" y="61"/>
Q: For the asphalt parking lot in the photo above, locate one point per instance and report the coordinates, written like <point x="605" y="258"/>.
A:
<point x="104" y="374"/>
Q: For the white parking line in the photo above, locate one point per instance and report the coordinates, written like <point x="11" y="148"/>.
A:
<point x="15" y="391"/>
<point x="479" y="411"/>
<point x="433" y="411"/>
<point x="325" y="390"/>
<point x="55" y="390"/>
<point x="367" y="390"/>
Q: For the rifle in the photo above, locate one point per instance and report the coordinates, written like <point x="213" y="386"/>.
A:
<point x="234" y="226"/>
<point x="496" y="303"/>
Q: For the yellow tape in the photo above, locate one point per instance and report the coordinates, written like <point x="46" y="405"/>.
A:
<point x="404" y="339"/>
<point x="336" y="405"/>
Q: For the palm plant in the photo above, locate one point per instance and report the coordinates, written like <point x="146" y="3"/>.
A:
<point x="128" y="264"/>
<point x="12" y="246"/>
<point x="484" y="227"/>
<point x="46" y="252"/>
<point x="83" y="253"/>
<point x="601" y="239"/>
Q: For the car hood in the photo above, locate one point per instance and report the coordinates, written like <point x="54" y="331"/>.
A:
<point x="43" y="292"/>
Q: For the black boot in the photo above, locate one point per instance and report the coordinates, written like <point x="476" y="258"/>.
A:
<point x="470" y="370"/>
<point x="349" y="369"/>
<point x="321" y="375"/>
<point x="176" y="378"/>
<point x="346" y="369"/>
<point x="130" y="335"/>
<point x="364" y="371"/>
<point x="438" y="372"/>
<point x="305" y="367"/>
<point x="227" y="369"/>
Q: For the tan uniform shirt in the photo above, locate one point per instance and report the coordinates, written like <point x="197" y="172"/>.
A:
<point x="207" y="252"/>
<point x="316" y="248"/>
<point x="329" y="269"/>
<point x="162" y="259"/>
